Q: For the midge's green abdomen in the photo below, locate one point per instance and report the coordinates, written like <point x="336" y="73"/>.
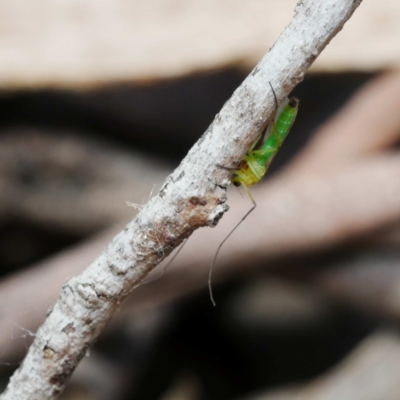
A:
<point x="256" y="162"/>
<point x="283" y="122"/>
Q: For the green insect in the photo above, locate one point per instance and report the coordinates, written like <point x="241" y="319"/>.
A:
<point x="256" y="162"/>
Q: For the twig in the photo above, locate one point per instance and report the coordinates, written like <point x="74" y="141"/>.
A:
<point x="192" y="197"/>
<point x="50" y="274"/>
<point x="375" y="105"/>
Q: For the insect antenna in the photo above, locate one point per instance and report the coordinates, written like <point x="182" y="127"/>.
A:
<point x="278" y="142"/>
<point x="222" y="243"/>
<point x="275" y="98"/>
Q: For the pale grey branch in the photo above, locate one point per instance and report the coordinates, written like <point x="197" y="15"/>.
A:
<point x="193" y="196"/>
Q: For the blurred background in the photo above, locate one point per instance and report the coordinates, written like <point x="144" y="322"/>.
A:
<point x="99" y="102"/>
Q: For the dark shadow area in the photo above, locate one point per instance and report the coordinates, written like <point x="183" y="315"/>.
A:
<point x="167" y="119"/>
<point x="23" y="243"/>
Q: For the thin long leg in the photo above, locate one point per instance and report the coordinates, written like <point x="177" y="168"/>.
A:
<point x="226" y="238"/>
<point x="227" y="168"/>
<point x="168" y="264"/>
<point x="236" y="167"/>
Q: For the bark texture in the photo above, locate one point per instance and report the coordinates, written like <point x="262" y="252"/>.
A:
<point x="193" y="196"/>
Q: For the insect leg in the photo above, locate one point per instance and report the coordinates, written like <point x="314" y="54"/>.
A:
<point x="168" y="264"/>
<point x="226" y="168"/>
<point x="226" y="238"/>
<point x="236" y="167"/>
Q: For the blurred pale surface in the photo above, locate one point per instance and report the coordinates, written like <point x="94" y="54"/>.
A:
<point x="82" y="43"/>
